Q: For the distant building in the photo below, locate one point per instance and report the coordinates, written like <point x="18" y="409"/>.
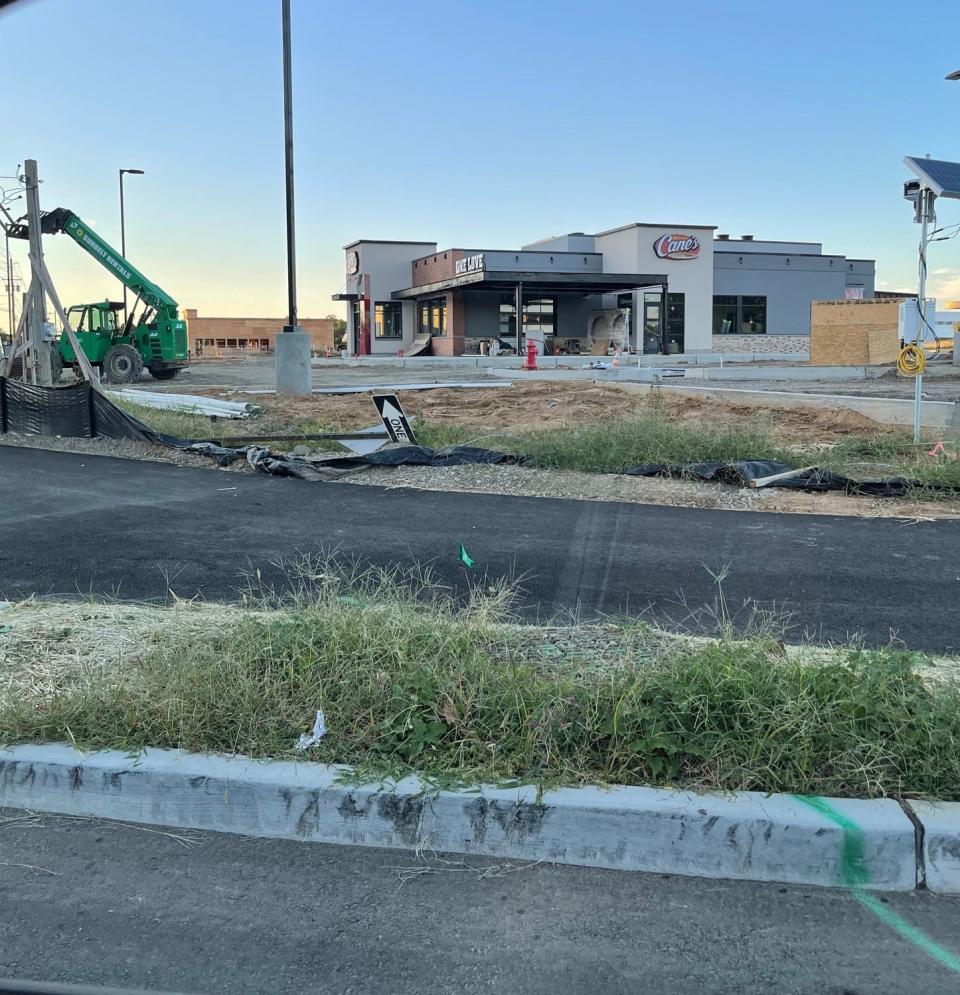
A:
<point x="232" y="336"/>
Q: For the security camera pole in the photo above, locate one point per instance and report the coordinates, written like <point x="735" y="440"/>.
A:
<point x="293" y="344"/>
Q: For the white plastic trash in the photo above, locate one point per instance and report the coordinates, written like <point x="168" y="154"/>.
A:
<point x="319" y="731"/>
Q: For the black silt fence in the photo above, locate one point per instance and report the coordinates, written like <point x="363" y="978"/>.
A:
<point x="77" y="411"/>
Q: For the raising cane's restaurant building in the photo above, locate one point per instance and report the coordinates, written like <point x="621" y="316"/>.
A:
<point x="641" y="287"/>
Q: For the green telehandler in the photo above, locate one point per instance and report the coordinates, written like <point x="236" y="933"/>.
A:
<point x="121" y="345"/>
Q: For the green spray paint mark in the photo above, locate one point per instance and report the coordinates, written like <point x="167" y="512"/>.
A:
<point x="855" y="876"/>
<point x="853" y="860"/>
<point x="908" y="931"/>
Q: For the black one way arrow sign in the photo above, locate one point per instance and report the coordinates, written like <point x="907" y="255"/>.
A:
<point x="394" y="419"/>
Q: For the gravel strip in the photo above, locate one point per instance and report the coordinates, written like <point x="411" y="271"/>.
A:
<point x="119" y="448"/>
<point x="575" y="485"/>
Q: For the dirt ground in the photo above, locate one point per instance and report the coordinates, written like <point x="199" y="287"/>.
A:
<point x="543" y="404"/>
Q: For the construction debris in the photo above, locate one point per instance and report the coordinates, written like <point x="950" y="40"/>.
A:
<point x="195" y="404"/>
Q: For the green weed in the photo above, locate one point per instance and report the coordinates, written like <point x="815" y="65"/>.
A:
<point x="409" y="680"/>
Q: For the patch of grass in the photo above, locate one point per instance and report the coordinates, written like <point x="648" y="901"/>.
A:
<point x="893" y="455"/>
<point x="409" y="680"/>
<point x="608" y="447"/>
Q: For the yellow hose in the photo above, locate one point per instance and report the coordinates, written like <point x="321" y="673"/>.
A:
<point x="911" y="361"/>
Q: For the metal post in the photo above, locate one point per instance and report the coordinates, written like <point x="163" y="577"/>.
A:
<point x="927" y="200"/>
<point x="663" y="319"/>
<point x="519" y="310"/>
<point x="288" y="158"/>
<point x="123" y="233"/>
<point x="39" y="351"/>
<point x="293" y="347"/>
<point x="123" y="243"/>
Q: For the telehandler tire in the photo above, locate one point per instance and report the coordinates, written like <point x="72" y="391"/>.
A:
<point x="122" y="364"/>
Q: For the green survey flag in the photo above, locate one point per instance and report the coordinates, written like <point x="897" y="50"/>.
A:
<point x="465" y="557"/>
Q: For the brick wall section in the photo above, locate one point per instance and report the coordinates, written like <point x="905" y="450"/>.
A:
<point x="320" y="330"/>
<point x="853" y="333"/>
<point x="799" y="344"/>
<point x="452" y="344"/>
<point x="433" y="269"/>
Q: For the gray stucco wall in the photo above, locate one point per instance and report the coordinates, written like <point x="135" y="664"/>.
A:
<point x="482" y="315"/>
<point x="790" y="286"/>
<point x="542" y="261"/>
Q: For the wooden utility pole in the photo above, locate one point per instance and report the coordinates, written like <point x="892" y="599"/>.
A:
<point x="39" y="352"/>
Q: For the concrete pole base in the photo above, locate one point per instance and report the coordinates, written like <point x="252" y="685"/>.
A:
<point x="293" y="362"/>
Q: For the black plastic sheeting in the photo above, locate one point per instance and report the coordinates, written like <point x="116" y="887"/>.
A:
<point x="425" y="456"/>
<point x="82" y="411"/>
<point x="743" y="472"/>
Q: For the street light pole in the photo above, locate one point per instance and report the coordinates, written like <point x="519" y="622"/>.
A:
<point x="123" y="231"/>
<point x="288" y="170"/>
<point x="293" y="345"/>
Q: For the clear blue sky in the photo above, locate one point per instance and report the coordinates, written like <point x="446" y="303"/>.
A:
<point x="481" y="124"/>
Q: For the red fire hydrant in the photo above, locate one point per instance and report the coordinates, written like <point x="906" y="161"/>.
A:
<point x="531" y="363"/>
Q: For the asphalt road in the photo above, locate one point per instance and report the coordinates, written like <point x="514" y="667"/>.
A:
<point x="86" y="902"/>
<point x="78" y="524"/>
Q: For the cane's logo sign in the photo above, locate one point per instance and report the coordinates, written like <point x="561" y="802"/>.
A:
<point x="677" y="246"/>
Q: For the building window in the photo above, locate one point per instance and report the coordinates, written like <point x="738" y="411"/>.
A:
<point x="508" y="325"/>
<point x="221" y="343"/>
<point x="753" y="315"/>
<point x="539" y="317"/>
<point x="724" y="315"/>
<point x="675" y="320"/>
<point x="433" y="317"/>
<point x="388" y="320"/>
<point x="739" y="315"/>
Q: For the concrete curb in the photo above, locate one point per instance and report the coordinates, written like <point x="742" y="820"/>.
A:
<point x="940" y="822"/>
<point x="744" y="835"/>
<point x="648" y="374"/>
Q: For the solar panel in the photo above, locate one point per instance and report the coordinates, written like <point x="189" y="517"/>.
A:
<point x="942" y="177"/>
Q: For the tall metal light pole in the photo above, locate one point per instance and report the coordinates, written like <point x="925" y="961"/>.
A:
<point x="293" y="346"/>
<point x="123" y="230"/>
<point x="288" y="171"/>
